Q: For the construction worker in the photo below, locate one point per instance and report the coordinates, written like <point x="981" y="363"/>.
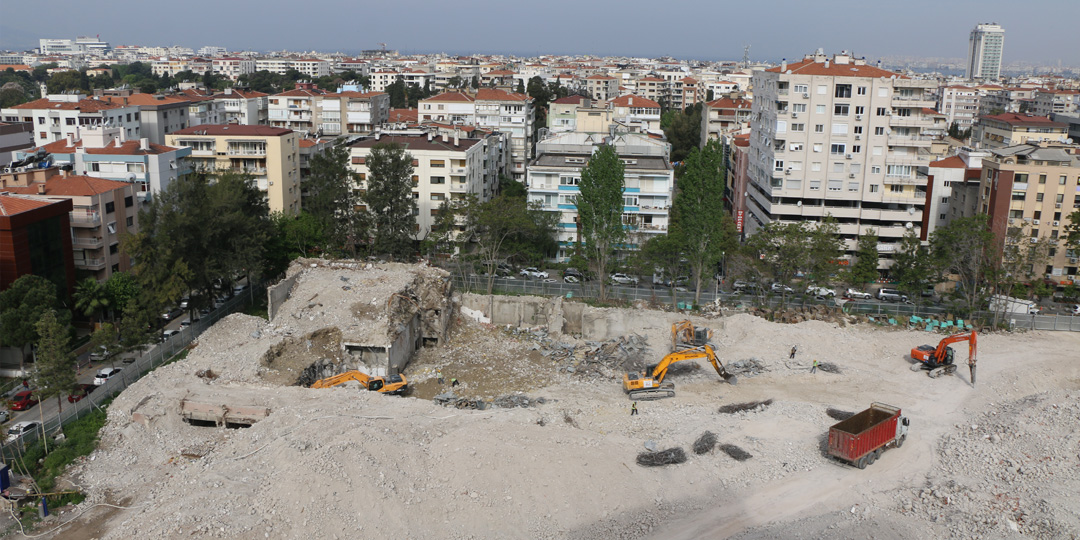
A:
<point x="453" y="382"/>
<point x="633" y="409"/>
<point x="438" y="375"/>
<point x="793" y="349"/>
<point x="813" y="369"/>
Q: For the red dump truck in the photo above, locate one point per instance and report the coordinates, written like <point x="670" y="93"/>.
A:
<point x="859" y="440"/>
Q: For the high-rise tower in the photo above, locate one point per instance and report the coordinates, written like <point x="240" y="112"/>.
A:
<point x="984" y="51"/>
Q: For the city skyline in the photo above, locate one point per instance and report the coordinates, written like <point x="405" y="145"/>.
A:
<point x="696" y="30"/>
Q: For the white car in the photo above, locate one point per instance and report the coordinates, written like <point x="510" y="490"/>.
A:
<point x="623" y="279"/>
<point x="19" y="430"/>
<point x="781" y="288"/>
<point x="820" y="291"/>
<point x="1076" y="309"/>
<point x="104" y="374"/>
<point x="533" y="272"/>
<point x="858" y="295"/>
<point x="5" y="415"/>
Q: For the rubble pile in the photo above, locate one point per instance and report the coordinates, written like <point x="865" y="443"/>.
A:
<point x="750" y="367"/>
<point x="813" y="312"/>
<point x="600" y="358"/>
<point x="671" y="456"/>
<point x="705" y="443"/>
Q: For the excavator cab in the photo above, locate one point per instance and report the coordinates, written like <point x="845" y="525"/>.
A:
<point x="375" y="384"/>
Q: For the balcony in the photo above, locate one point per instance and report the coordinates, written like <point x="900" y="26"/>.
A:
<point x="457" y="171"/>
<point x="246" y="151"/>
<point x="907" y="121"/>
<point x="87" y="242"/>
<point x="459" y="187"/>
<point x="910" y="140"/>
<point x="84" y="219"/>
<point x="905" y="181"/>
<point x="913" y="101"/>
<point x="90" y="264"/>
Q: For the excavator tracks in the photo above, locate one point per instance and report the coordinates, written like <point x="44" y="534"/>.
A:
<point x="648" y="394"/>
<point x="943" y="370"/>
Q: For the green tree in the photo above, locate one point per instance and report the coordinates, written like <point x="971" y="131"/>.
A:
<point x="520" y="88"/>
<point x="600" y="209"/>
<point x="133" y="329"/>
<point x="440" y="239"/>
<point x="121" y="287"/>
<point x="68" y="81"/>
<point x="783" y="248"/>
<point x="502" y="228"/>
<point x="54" y="370"/>
<point x="91" y="298"/>
<point x="826" y="249"/>
<point x="965" y="248"/>
<point x="22" y="306"/>
<point x="1021" y="260"/>
<point x="700" y="192"/>
<point x="913" y="268"/>
<point x="683" y="131"/>
<point x="399" y="96"/>
<point x="664" y="253"/>
<point x="455" y="82"/>
<point x="390" y="201"/>
<point x="106" y="339"/>
<point x="1072" y="233"/>
<point x="329" y="195"/>
<point x="866" y="260"/>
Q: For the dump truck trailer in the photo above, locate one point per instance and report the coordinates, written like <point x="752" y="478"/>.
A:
<point x="859" y="440"/>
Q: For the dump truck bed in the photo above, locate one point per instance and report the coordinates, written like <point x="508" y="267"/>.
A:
<point x="863" y="433"/>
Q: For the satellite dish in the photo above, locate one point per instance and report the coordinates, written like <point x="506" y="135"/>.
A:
<point x="907" y="225"/>
<point x="798" y="203"/>
<point x="911" y="210"/>
<point x="131" y="177"/>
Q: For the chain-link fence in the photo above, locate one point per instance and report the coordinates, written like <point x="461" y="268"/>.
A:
<point x="131" y="369"/>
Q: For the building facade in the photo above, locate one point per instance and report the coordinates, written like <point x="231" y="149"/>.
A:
<point x="35" y="238"/>
<point x="985" y="46"/>
<point x="1009" y="129"/>
<point x="57" y="116"/>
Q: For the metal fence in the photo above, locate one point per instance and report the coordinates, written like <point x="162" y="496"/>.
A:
<point x="685" y="300"/>
<point x="130" y="371"/>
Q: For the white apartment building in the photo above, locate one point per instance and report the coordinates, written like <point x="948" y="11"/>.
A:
<point x="636" y="113"/>
<point x="445" y="168"/>
<point x="947" y="179"/>
<point x="212" y="50"/>
<point x="351" y="112"/>
<point x="834" y="136"/>
<point x="172" y="66"/>
<point x="77" y="46"/>
<point x="602" y="87"/>
<point x="555" y="174"/>
<point x="296" y="108"/>
<point x="232" y="67"/>
<point x="59" y="115"/>
<point x="491" y="109"/>
<point x="246" y="107"/>
<point x="311" y="67"/>
<point x="984" y="51"/>
<point x="1049" y="102"/>
<point x="959" y="104"/>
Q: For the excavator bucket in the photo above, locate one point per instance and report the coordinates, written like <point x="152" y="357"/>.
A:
<point x="730" y="379"/>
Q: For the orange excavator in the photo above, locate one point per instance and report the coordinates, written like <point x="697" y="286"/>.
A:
<point x="651" y="385"/>
<point x="938" y="361"/>
<point x="394" y="384"/>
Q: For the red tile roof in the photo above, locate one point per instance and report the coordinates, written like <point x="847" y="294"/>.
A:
<point x="351" y="94"/>
<point x="570" y="100"/>
<point x="246" y="94"/>
<point x="308" y="143"/>
<point x="651" y="79"/>
<point x="808" y="66"/>
<point x="728" y="103"/>
<point x="9" y="206"/>
<point x="459" y="97"/>
<point x="1017" y="119"/>
<point x="494" y="94"/>
<point x="126" y="148"/>
<point x="233" y="129"/>
<point x="146" y="99"/>
<point x="16" y="67"/>
<point x="930" y="112"/>
<point x="630" y="100"/>
<point x="599" y="78"/>
<point x="71" y="186"/>
<point x="403" y="115"/>
<point x="87" y="105"/>
<point x="953" y="162"/>
<point x="299" y="92"/>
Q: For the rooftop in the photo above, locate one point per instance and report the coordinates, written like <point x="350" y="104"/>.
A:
<point x="418" y="142"/>
<point x="9" y="206"/>
<point x="233" y="129"/>
<point x="70" y="186"/>
<point x="1018" y="119"/>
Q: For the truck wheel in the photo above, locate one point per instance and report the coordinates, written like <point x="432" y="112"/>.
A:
<point x="900" y="440"/>
<point x="860" y="463"/>
<point x="870" y="459"/>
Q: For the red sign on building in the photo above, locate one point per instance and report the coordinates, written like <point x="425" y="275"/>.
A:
<point x="738" y="220"/>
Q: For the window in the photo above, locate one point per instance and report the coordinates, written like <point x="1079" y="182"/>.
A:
<point x="130" y="221"/>
<point x="111" y="227"/>
<point x="822" y="90"/>
<point x="778" y="165"/>
<point x="777" y="183"/>
<point x="817" y="147"/>
<point x="836" y="185"/>
<point x="883" y="92"/>
<point x="896" y="189"/>
<point x="879" y="130"/>
<point x="838" y="149"/>
<point x="862" y="91"/>
<point x="569" y="180"/>
<point x="815" y="166"/>
<point x="798" y="107"/>
<point x="781" y="126"/>
<point x="135" y="167"/>
<point x="815" y="185"/>
<point x="859" y="109"/>
<point x="794" y="165"/>
<point x="110" y="207"/>
<point x="438" y="180"/>
<point x="114" y="249"/>
<point x="820" y="109"/>
<point x="843" y="91"/>
<point x="839" y="129"/>
<point x="1061" y="180"/>
<point x="858" y="130"/>
<point x="899" y="171"/>
<point x="874" y="169"/>
<point x="129" y="201"/>
<point x="438" y="197"/>
<point x="96" y="167"/>
<point x="944" y="200"/>
<point x="1060" y="198"/>
<point x="796" y="147"/>
<point x="69" y="121"/>
<point x="878" y="150"/>
<point x="359" y="160"/>
<point x="874" y="188"/>
<point x="853" y="186"/>
<point x="856" y="149"/>
<point x="819" y="128"/>
<point x="798" y="128"/>
<point x="838" y="167"/>
<point x="41" y="120"/>
<point x="1038" y="197"/>
<point x="840" y="109"/>
<point x="881" y="111"/>
<point x="800" y="89"/>
<point x="630" y="201"/>
<point x="438" y="163"/>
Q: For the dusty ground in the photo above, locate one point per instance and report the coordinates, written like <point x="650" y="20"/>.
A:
<point x="999" y="460"/>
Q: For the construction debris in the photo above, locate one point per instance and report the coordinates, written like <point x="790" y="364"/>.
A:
<point x="829" y="367"/>
<point x="749" y="406"/>
<point x="839" y="415"/>
<point x="705" y="443"/>
<point x="812" y="312"/>
<point x="738" y="454"/>
<point x="671" y="456"/>
<point x="747" y="368"/>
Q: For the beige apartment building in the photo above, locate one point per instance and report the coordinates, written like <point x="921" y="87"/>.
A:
<point x="1030" y="190"/>
<point x="833" y="136"/>
<point x="269" y="154"/>
<point x="724" y="116"/>
<point x="1010" y="129"/>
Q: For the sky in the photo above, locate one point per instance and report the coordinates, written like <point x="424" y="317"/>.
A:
<point x="1039" y="31"/>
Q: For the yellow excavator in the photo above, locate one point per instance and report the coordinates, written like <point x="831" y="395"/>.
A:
<point x="651" y="385"/>
<point x="685" y="336"/>
<point x="394" y="384"/>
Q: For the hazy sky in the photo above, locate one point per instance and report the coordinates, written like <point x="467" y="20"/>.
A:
<point x="1041" y="31"/>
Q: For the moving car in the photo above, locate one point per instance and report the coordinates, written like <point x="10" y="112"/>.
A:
<point x="573" y="275"/>
<point x="99" y="355"/>
<point x="891" y="295"/>
<point x="239" y="289"/>
<point x="170" y="314"/>
<point x="1076" y="309"/>
<point x="745" y="287"/>
<point x="781" y="288"/>
<point x="623" y="279"/>
<point x="858" y="295"/>
<point x="104" y="374"/>
<point x="168" y="334"/>
<point x="19" y="430"/>
<point x="23" y="400"/>
<point x="533" y="272"/>
<point x="820" y="291"/>
<point x="80" y="392"/>
<point x="5" y="415"/>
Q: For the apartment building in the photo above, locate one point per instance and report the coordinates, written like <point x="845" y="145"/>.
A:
<point x="269" y="154"/>
<point x="602" y="87"/>
<point x="837" y="137"/>
<point x="35" y="238"/>
<point x="1004" y="100"/>
<point x="1049" y="102"/>
<point x="311" y="68"/>
<point x="555" y="174"/>
<point x="14" y="137"/>
<point x="79" y="46"/>
<point x="737" y="179"/>
<point x="1009" y="129"/>
<point x="103" y="153"/>
<point x="985" y="46"/>
<point x="562" y="113"/>
<point x="158" y="114"/>
<point x="59" y="115"/>
<point x="651" y="88"/>
<point x="725" y="115"/>
<point x="103" y="212"/>
<point x="445" y="168"/>
<point x="352" y="113"/>
<point x="1030" y="190"/>
<point x="952" y="189"/>
<point x="489" y="109"/>
<point x="232" y="67"/>
<point x="682" y="93"/>
<point x="295" y="109"/>
<point x="241" y="106"/>
<point x="171" y="66"/>
<point x="636" y="113"/>
<point x="959" y="104"/>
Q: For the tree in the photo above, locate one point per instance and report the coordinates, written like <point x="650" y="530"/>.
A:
<point x="133" y="329"/>
<point x="54" y="371"/>
<point x="106" y="339"/>
<point x="329" y="195"/>
<point x="1072" y="233"/>
<point x="1021" y="260"/>
<point x="440" y="239"/>
<point x="664" y="253"/>
<point x="913" y="268"/>
<point x="957" y="133"/>
<point x="22" y="306"/>
<point x="520" y="88"/>
<point x="700" y="192"/>
<point x="502" y="227"/>
<point x="683" y="130"/>
<point x="600" y="208"/>
<point x="68" y="81"/>
<point x="399" y="97"/>
<point x="965" y="248"/>
<point x="826" y="249"/>
<point x="783" y="248"/>
<point x="455" y="82"/>
<point x="390" y="201"/>
<point x="866" y="260"/>
<point x="91" y="297"/>
<point x="121" y="288"/>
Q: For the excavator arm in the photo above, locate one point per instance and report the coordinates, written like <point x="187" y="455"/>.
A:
<point x="652" y="386"/>
<point x="392" y="385"/>
<point x="938" y="360"/>
<point x="343" y="378"/>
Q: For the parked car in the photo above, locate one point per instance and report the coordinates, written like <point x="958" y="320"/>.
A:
<point x="80" y="392"/>
<point x="165" y="335"/>
<point x="104" y="374"/>
<point x="99" y="355"/>
<point x="23" y="400"/>
<point x="1076" y="309"/>
<point x="239" y="289"/>
<point x="780" y="288"/>
<point x="857" y="295"/>
<point x="533" y="272"/>
<point x="891" y="295"/>
<point x="19" y="430"/>
<point x="573" y="275"/>
<point x="184" y="302"/>
<point x="820" y="291"/>
<point x="745" y="287"/>
<point x="624" y="279"/>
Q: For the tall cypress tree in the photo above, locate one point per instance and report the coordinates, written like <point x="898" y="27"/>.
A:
<point x="600" y="208"/>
